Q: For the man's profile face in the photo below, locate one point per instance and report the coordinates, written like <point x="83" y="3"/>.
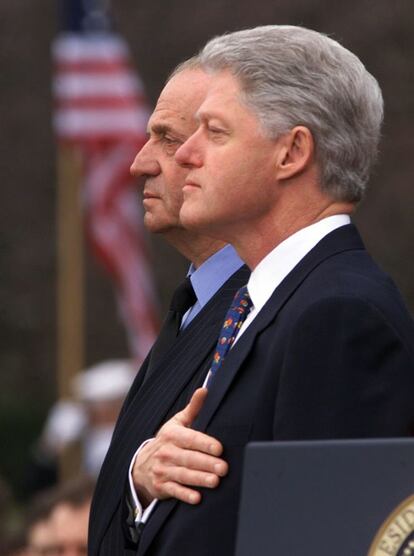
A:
<point x="171" y="123"/>
<point x="231" y="164"/>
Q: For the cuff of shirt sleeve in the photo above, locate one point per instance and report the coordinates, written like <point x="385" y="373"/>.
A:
<point x="140" y="515"/>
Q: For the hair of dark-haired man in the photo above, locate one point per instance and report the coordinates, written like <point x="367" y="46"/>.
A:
<point x="74" y="492"/>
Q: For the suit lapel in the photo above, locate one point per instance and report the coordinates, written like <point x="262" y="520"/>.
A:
<point x="147" y="409"/>
<point x="343" y="239"/>
<point x="187" y="355"/>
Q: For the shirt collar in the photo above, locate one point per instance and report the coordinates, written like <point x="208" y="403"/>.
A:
<point x="211" y="275"/>
<point x="277" y="264"/>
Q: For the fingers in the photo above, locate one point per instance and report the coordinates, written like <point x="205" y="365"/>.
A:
<point x="165" y="475"/>
<point x="176" y="470"/>
<point x="179" y="458"/>
<point x="189" y="439"/>
<point x="180" y="492"/>
<point x="187" y="416"/>
<point x="173" y="457"/>
<point x="163" y="470"/>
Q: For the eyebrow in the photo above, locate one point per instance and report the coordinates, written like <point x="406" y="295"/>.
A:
<point x="202" y="115"/>
<point x="163" y="129"/>
<point x="159" y="129"/>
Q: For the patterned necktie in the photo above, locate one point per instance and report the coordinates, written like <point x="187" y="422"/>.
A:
<point x="235" y="317"/>
<point x="182" y="299"/>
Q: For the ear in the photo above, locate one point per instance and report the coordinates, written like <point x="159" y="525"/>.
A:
<point x="296" y="152"/>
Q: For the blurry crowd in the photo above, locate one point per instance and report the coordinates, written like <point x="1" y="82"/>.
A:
<point x="56" y="522"/>
<point x="53" y="519"/>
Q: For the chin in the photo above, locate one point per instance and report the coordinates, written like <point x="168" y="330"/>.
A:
<point x="187" y="221"/>
<point x="155" y="228"/>
<point x="152" y="225"/>
<point x="195" y="224"/>
<point x="160" y="225"/>
<point x="189" y="217"/>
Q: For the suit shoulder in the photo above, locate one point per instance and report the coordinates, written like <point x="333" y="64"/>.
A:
<point x="351" y="284"/>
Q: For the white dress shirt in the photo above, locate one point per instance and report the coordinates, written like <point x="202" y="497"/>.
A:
<point x="277" y="264"/>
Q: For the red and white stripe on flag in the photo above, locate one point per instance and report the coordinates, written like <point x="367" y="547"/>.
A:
<point x="100" y="107"/>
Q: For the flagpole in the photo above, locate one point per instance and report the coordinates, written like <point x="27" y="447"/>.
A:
<point x="70" y="268"/>
<point x="70" y="286"/>
<point x="100" y="121"/>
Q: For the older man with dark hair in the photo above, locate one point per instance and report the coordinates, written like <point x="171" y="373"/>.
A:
<point x="318" y="344"/>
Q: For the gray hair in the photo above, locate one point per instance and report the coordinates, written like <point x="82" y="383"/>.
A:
<point x="192" y="63"/>
<point x="294" y="76"/>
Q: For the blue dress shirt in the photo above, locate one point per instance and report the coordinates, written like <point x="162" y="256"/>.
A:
<point x="208" y="278"/>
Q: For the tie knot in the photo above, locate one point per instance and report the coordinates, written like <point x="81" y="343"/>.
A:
<point x="242" y="302"/>
<point x="183" y="297"/>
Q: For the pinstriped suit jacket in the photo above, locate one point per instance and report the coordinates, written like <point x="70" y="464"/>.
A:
<point x="147" y="406"/>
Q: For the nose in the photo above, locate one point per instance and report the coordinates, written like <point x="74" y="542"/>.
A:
<point x="189" y="154"/>
<point x="144" y="163"/>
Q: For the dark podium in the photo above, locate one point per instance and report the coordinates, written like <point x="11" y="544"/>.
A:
<point x="328" y="498"/>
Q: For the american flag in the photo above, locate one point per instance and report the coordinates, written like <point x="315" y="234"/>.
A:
<point x="100" y="108"/>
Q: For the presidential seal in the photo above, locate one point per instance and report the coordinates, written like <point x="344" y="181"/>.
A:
<point x="396" y="536"/>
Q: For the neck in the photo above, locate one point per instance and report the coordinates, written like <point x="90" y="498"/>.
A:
<point x="254" y="247"/>
<point x="195" y="247"/>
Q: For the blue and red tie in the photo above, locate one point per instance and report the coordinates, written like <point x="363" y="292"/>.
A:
<point x="235" y="317"/>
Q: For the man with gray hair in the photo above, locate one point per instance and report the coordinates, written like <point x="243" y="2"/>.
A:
<point x="321" y="342"/>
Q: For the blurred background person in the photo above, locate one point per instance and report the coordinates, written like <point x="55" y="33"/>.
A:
<point x="81" y="426"/>
<point x="39" y="534"/>
<point x="70" y="516"/>
<point x="57" y="520"/>
<point x="101" y="390"/>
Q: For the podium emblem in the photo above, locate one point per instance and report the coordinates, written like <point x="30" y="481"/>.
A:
<point x="396" y="535"/>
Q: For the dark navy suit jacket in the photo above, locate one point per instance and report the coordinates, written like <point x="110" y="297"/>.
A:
<point x="330" y="355"/>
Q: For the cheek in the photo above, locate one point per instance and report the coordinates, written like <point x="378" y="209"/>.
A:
<point x="175" y="197"/>
<point x="173" y="183"/>
<point x="228" y="183"/>
<point x="242" y="188"/>
<point x="221" y="175"/>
